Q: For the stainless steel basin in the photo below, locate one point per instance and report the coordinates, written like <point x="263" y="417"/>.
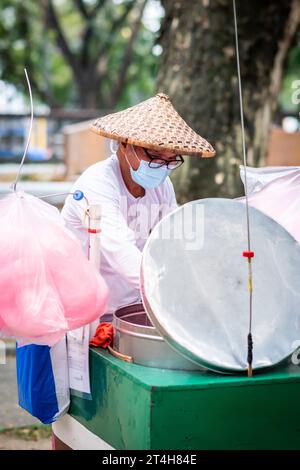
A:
<point x="135" y="336"/>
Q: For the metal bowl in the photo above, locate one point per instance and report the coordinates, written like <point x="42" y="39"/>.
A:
<point x="135" y="336"/>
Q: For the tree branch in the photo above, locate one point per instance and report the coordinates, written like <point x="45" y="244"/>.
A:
<point x="115" y="26"/>
<point x="88" y="32"/>
<point x="98" y="6"/>
<point x="118" y="86"/>
<point x="291" y="29"/>
<point x="86" y="13"/>
<point x="82" y="8"/>
<point x="53" y="23"/>
<point x="86" y="40"/>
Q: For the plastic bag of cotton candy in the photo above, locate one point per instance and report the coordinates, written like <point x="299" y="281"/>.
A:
<point x="47" y="285"/>
<point x="276" y="192"/>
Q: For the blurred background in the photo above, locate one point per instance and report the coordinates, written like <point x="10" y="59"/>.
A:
<point x="86" y="58"/>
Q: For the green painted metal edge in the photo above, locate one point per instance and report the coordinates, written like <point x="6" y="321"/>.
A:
<point x="150" y="377"/>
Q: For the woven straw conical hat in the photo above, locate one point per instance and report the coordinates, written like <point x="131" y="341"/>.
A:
<point x="153" y="124"/>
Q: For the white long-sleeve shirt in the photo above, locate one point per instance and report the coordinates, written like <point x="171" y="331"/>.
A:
<point x="126" y="223"/>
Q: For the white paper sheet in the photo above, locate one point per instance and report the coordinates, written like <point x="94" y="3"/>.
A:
<point x="78" y="359"/>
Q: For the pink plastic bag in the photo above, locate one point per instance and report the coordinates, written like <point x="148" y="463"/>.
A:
<point x="276" y="192"/>
<point x="47" y="285"/>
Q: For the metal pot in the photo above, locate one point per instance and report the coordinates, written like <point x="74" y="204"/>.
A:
<point x="135" y="336"/>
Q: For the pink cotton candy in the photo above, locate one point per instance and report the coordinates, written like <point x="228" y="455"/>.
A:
<point x="276" y="192"/>
<point x="47" y="285"/>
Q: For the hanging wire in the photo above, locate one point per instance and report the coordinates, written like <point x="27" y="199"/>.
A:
<point x="14" y="185"/>
<point x="77" y="195"/>
<point x="248" y="254"/>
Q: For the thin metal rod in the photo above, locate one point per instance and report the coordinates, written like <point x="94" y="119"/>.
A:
<point x="249" y="338"/>
<point x="61" y="194"/>
<point x="242" y="120"/>
<point x="14" y="186"/>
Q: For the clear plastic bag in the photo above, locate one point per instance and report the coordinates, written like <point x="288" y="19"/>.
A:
<point x="48" y="287"/>
<point x="276" y="192"/>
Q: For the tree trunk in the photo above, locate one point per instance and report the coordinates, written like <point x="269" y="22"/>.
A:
<point x="88" y="90"/>
<point x="198" y="71"/>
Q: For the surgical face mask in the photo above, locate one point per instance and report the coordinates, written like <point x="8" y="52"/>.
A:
<point x="148" y="177"/>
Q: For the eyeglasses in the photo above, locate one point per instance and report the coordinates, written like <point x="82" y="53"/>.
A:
<point x="157" y="162"/>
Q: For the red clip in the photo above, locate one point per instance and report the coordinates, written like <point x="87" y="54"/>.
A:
<point x="93" y="230"/>
<point x="248" y="254"/>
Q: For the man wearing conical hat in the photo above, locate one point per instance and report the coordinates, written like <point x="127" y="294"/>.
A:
<point x="133" y="188"/>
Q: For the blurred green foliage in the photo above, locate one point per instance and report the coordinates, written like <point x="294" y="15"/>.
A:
<point x="292" y="73"/>
<point x="88" y="26"/>
<point x="26" y="40"/>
